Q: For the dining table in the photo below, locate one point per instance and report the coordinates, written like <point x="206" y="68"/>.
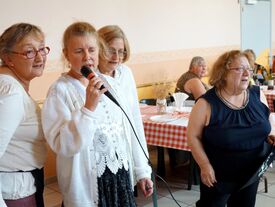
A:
<point x="168" y="130"/>
<point x="270" y="97"/>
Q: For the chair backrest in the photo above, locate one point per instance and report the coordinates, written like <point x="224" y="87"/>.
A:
<point x="148" y="101"/>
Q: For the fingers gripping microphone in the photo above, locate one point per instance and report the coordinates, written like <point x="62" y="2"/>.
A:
<point x="89" y="74"/>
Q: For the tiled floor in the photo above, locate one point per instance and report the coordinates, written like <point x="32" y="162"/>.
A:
<point x="176" y="180"/>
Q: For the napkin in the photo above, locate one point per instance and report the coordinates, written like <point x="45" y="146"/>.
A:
<point x="179" y="99"/>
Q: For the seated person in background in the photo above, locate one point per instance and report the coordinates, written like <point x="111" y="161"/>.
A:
<point x="251" y="57"/>
<point x="259" y="71"/>
<point x="262" y="74"/>
<point x="190" y="82"/>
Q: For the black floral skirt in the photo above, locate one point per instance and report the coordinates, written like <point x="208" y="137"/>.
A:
<point x="114" y="190"/>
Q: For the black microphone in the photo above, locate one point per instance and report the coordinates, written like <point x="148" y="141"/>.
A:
<point x="89" y="74"/>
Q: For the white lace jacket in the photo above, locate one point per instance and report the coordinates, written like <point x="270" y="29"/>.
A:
<point x="87" y="142"/>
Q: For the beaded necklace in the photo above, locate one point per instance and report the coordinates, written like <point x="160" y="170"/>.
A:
<point x="231" y="105"/>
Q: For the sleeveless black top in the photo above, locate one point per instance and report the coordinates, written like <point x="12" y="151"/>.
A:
<point x="235" y="139"/>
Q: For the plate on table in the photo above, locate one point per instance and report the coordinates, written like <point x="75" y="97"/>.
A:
<point x="163" y="118"/>
<point x="172" y="109"/>
<point x="184" y="109"/>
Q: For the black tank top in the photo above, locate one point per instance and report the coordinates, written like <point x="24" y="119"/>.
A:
<point x="234" y="140"/>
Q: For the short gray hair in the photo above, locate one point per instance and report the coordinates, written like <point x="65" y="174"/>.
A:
<point x="197" y="60"/>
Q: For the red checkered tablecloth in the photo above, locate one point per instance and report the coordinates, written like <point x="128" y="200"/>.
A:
<point x="164" y="134"/>
<point x="270" y="96"/>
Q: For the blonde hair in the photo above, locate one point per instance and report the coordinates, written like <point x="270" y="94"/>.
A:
<point x="110" y="32"/>
<point x="79" y="29"/>
<point x="251" y="57"/>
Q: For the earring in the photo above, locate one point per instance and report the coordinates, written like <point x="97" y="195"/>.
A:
<point x="11" y="65"/>
<point x="69" y="65"/>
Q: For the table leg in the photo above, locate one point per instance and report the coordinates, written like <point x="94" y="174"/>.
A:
<point x="161" y="162"/>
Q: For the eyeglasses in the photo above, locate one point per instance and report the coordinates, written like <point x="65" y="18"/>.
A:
<point x="119" y="53"/>
<point x="201" y="65"/>
<point x="242" y="69"/>
<point x="32" y="53"/>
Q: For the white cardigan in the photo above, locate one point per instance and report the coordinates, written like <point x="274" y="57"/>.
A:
<point x="22" y="143"/>
<point x="71" y="129"/>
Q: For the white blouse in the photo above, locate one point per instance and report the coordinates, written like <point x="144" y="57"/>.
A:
<point x="22" y="143"/>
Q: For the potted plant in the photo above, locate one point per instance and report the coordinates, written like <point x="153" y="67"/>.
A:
<point x="161" y="90"/>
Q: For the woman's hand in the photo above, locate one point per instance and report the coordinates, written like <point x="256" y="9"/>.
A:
<point x="146" y="186"/>
<point x="93" y="93"/>
<point x="208" y="175"/>
<point x="271" y="139"/>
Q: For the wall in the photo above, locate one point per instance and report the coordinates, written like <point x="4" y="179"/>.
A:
<point x="151" y="25"/>
<point x="159" y="31"/>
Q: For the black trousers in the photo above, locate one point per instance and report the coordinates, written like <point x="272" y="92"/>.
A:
<point x="212" y="197"/>
<point x="38" y="175"/>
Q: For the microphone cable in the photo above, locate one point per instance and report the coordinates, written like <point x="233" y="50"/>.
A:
<point x="148" y="159"/>
<point x="89" y="73"/>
